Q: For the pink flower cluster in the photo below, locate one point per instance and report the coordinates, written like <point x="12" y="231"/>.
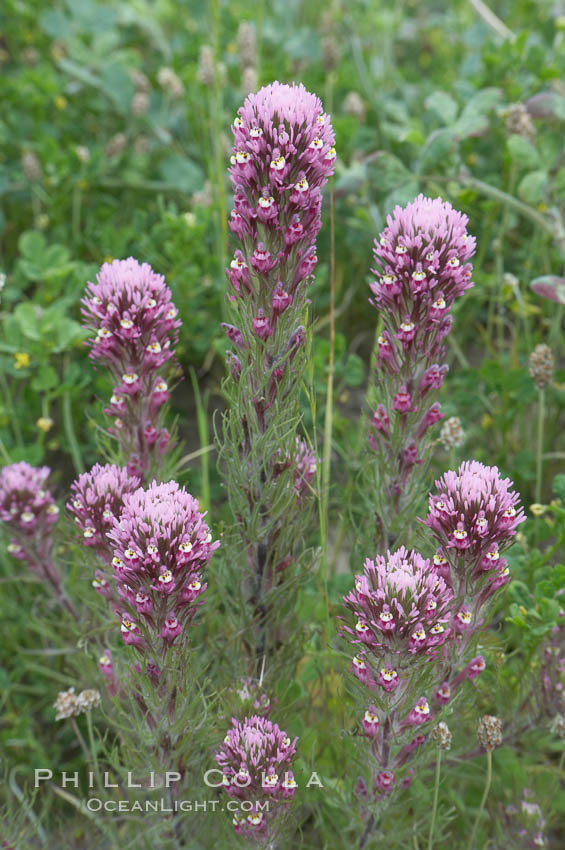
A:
<point x="305" y="465"/>
<point x="28" y="510"/>
<point x="97" y="499"/>
<point x="256" y="760"/>
<point x="402" y="612"/>
<point x="473" y="516"/>
<point x="422" y="259"/>
<point x="282" y="157"/>
<point x="253" y="696"/>
<point x="524" y="824"/>
<point x="136" y="325"/>
<point x="161" y="547"/>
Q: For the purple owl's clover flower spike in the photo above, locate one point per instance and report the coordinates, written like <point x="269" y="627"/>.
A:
<point x="402" y="634"/>
<point x="402" y="612"/>
<point x="161" y="547"/>
<point x="422" y="265"/>
<point x="282" y="157"/>
<point x="29" y="512"/>
<point x="136" y="324"/>
<point x="473" y="516"/>
<point x="97" y="499"/>
<point x="256" y="761"/>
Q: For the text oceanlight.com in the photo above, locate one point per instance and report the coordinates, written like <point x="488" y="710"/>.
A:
<point x="95" y="804"/>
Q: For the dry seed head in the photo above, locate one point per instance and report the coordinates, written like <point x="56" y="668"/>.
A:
<point x="139" y="80"/>
<point x="489" y="732"/>
<point x="31" y="166"/>
<point x="140" y="103"/>
<point x="170" y="82"/>
<point x="66" y="705"/>
<point x="206" y="73"/>
<point x="558" y="726"/>
<point x="452" y="433"/>
<point x="330" y="52"/>
<point x="541" y="366"/>
<point x="518" y="122"/>
<point x="353" y="105"/>
<point x="247" y="45"/>
<point x="88" y="699"/>
<point x="441" y="736"/>
<point x="249" y="80"/>
<point x="116" y="145"/>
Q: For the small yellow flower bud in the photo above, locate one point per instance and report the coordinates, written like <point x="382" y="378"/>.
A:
<point x="21" y="360"/>
<point x="44" y="423"/>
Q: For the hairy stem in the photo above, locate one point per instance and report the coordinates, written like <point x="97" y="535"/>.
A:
<point x="483" y="800"/>
<point x="436" y="796"/>
<point x="539" y="449"/>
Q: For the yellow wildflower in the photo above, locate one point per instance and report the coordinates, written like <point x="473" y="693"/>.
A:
<point x="44" y="423"/>
<point x="486" y="421"/>
<point x="21" y="360"/>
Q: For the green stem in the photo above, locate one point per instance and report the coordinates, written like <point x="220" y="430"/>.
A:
<point x="9" y="404"/>
<point x="93" y="748"/>
<point x="259" y="39"/>
<point x="217" y="129"/>
<point x="539" y="450"/>
<point x="328" y="418"/>
<point x="483" y="800"/>
<point x="202" y="423"/>
<point x="4" y="453"/>
<point x="70" y="433"/>
<point x="81" y="740"/>
<point x="436" y="796"/>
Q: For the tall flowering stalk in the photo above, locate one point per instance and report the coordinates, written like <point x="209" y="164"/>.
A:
<point x="156" y="555"/>
<point x="282" y="157"/>
<point x="256" y="762"/>
<point x="136" y="324"/>
<point x="414" y="618"/>
<point x="402" y="616"/>
<point x="29" y="513"/>
<point x="422" y="266"/>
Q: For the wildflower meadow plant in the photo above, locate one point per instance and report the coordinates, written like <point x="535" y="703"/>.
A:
<point x="283" y="155"/>
<point x="161" y="547"/>
<point x="416" y="617"/>
<point x="29" y="512"/>
<point x="97" y="500"/>
<point x="422" y="266"/>
<point x="256" y="760"/>
<point x="136" y="324"/>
